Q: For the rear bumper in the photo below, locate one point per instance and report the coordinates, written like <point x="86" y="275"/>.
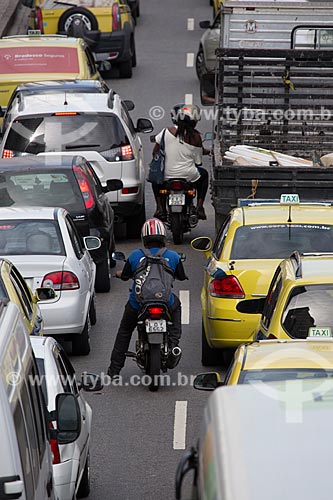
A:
<point x="114" y="46"/>
<point x="67" y="316"/>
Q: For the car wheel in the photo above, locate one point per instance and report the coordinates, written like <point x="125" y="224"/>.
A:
<point x="92" y="311"/>
<point x="88" y="19"/>
<point x="133" y="53"/>
<point x="102" y="281"/>
<point x="134" y="17"/>
<point x="138" y="10"/>
<point x="135" y="223"/>
<point x="125" y="69"/>
<point x="209" y="356"/>
<point x="200" y="63"/>
<point x="81" y="342"/>
<point x="84" y="488"/>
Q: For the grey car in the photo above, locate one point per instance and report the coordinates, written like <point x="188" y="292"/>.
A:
<point x="209" y="42"/>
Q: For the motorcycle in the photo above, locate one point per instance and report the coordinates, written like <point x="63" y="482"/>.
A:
<point x="181" y="214"/>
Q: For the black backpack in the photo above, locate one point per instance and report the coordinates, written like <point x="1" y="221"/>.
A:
<point x="153" y="278"/>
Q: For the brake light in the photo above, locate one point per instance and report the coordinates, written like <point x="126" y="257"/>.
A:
<point x="7" y="153"/>
<point x="127" y="152"/>
<point x="84" y="187"/>
<point x="130" y="190"/>
<point x="177" y="185"/>
<point x="116" y="21"/>
<point x="65" y="113"/>
<point x="226" y="287"/>
<point x="118" y="154"/>
<point x="61" y="280"/>
<point x="54" y="449"/>
<point x="155" y="312"/>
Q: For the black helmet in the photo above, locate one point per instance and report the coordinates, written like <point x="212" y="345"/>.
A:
<point x="188" y="113"/>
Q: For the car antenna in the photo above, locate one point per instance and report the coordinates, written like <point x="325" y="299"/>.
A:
<point x="65" y="102"/>
<point x="289" y="219"/>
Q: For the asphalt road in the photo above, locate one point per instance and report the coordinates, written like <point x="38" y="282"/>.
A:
<point x="138" y="437"/>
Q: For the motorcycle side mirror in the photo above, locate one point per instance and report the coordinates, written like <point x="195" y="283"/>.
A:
<point x="119" y="256"/>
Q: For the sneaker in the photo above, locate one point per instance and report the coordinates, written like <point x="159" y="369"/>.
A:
<point x="112" y="372"/>
<point x="201" y="213"/>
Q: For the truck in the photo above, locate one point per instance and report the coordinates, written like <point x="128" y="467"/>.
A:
<point x="278" y="102"/>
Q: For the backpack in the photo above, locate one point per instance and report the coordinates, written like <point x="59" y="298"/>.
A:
<point x="153" y="278"/>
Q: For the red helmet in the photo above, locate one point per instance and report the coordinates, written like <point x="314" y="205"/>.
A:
<point x="153" y="230"/>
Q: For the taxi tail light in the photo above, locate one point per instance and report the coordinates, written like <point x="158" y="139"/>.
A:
<point x="124" y="153"/>
<point x="130" y="190"/>
<point x="116" y="20"/>
<point x="226" y="287"/>
<point x="177" y="185"/>
<point x="84" y="187"/>
<point x="7" y="153"/>
<point x="271" y="337"/>
<point x="54" y="449"/>
<point x="61" y="280"/>
<point x="155" y="312"/>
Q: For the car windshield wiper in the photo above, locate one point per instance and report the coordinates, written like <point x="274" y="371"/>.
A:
<point x="76" y="146"/>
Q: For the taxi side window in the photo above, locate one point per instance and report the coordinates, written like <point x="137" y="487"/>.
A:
<point x="271" y="300"/>
<point x="22" y="292"/>
<point x="219" y="242"/>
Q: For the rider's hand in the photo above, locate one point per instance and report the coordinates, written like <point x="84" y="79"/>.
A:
<point x="118" y="274"/>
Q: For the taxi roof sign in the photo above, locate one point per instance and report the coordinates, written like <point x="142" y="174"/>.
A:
<point x="34" y="32"/>
<point x="290" y="199"/>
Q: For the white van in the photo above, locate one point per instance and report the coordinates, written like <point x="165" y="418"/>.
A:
<point x="25" y="459"/>
<point x="260" y="442"/>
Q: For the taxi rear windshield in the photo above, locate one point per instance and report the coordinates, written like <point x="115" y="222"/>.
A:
<point x="279" y="375"/>
<point x="278" y="241"/>
<point x="27" y="60"/>
<point x="308" y="307"/>
<point x="50" y="133"/>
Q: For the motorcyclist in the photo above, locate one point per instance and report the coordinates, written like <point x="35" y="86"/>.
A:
<point x="183" y="156"/>
<point x="153" y="235"/>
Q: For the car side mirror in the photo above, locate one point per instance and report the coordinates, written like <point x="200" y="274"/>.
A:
<point x="207" y="89"/>
<point x="44" y="293"/>
<point x="91" y="242"/>
<point x="144" y="125"/>
<point x="205" y="25"/>
<point x="202" y="244"/>
<point x="113" y="185"/>
<point x="129" y="104"/>
<point x="207" y="381"/>
<point x="91" y="382"/>
<point x="251" y="306"/>
<point x="68" y="418"/>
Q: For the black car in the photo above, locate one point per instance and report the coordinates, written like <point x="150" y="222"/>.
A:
<point x="69" y="182"/>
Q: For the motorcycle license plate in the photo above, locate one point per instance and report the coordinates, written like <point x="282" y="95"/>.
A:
<point x="155" y="326"/>
<point x="177" y="199"/>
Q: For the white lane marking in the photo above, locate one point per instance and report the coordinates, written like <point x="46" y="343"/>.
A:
<point x="184" y="297"/>
<point x="190" y="24"/>
<point x="179" y="426"/>
<point x="188" y="98"/>
<point x="190" y="60"/>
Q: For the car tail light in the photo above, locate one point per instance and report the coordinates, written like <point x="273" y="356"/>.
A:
<point x="226" y="287"/>
<point x="61" y="280"/>
<point x="155" y="312"/>
<point x="54" y="449"/>
<point x="7" y="153"/>
<point x="116" y="21"/>
<point x="177" y="185"/>
<point x="130" y="190"/>
<point x="85" y="187"/>
<point x="118" y="154"/>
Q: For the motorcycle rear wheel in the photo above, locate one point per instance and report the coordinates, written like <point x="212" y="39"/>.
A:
<point x="176" y="225"/>
<point x="154" y="366"/>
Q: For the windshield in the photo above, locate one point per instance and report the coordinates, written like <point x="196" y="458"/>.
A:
<point x="87" y="131"/>
<point x="308" y="306"/>
<point x="279" y="375"/>
<point x="278" y="241"/>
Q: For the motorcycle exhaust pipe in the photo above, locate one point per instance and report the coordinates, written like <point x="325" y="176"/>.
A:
<point x="176" y="351"/>
<point x="174" y="357"/>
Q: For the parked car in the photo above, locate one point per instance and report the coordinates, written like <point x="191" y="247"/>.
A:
<point x="107" y="25"/>
<point x="70" y="461"/>
<point x="45" y="246"/>
<point x="45" y="58"/>
<point x="96" y="126"/>
<point x="69" y="182"/>
<point x="253" y="240"/>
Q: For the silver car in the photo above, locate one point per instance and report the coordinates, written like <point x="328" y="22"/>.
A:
<point x="209" y="42"/>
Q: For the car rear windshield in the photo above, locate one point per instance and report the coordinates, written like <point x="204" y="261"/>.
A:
<point x="30" y="237"/>
<point x="278" y="241"/>
<point x="51" y="133"/>
<point x="17" y="60"/>
<point x="308" y="307"/>
<point x="34" y="188"/>
<point x="279" y="375"/>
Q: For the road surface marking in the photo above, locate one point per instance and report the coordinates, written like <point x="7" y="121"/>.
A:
<point x="188" y="98"/>
<point x="179" y="426"/>
<point x="190" y="60"/>
<point x="190" y="24"/>
<point x="184" y="297"/>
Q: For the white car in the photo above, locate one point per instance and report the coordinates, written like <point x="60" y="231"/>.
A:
<point x="57" y="375"/>
<point x="45" y="246"/>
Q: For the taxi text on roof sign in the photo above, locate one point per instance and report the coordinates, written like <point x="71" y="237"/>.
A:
<point x="320" y="332"/>
<point x="289" y="198"/>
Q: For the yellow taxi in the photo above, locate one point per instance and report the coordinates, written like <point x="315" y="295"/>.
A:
<point x="299" y="300"/>
<point x="253" y="240"/>
<point x="217" y="5"/>
<point x="13" y="287"/>
<point x="36" y="57"/>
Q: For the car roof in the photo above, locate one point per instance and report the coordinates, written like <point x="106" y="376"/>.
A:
<point x="22" y="212"/>
<point x="61" y="84"/>
<point x="41" y="344"/>
<point x="39" y="40"/>
<point x="300" y="353"/>
<point x="33" y="162"/>
<point x="276" y="213"/>
<point x="316" y="268"/>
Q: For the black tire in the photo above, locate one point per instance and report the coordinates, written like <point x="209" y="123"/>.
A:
<point x="125" y="69"/>
<point x="89" y="20"/>
<point x="135" y="223"/>
<point x="138" y="10"/>
<point x="177" y="228"/>
<point x="102" y="281"/>
<point x="84" y="488"/>
<point x="154" y="366"/>
<point x="209" y="356"/>
<point x="81" y="342"/>
<point x="211" y="3"/>
<point x="134" y="16"/>
<point x="92" y="311"/>
<point x="133" y="50"/>
<point x="200" y="67"/>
